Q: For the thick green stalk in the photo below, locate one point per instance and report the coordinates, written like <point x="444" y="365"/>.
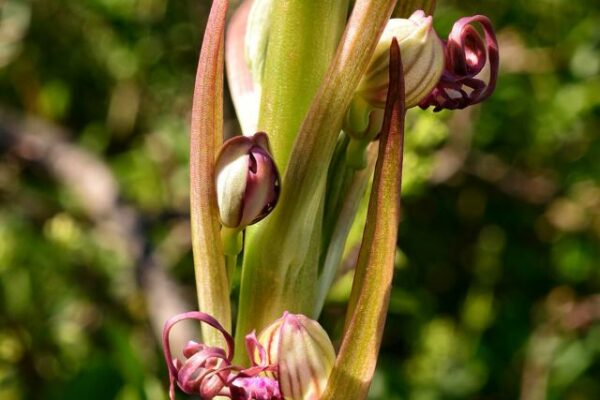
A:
<point x="303" y="38"/>
<point x="355" y="364"/>
<point x="282" y="254"/>
<point x="206" y="137"/>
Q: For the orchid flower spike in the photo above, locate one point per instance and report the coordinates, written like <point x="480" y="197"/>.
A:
<point x="471" y="68"/>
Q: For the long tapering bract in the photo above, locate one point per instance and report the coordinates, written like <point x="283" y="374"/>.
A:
<point x="355" y="364"/>
<point x="206" y="137"/>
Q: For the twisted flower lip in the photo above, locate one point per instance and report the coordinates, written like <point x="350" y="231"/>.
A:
<point x="208" y="371"/>
<point x="463" y="82"/>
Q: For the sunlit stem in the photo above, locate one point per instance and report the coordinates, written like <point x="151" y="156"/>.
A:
<point x="281" y="260"/>
<point x="302" y="41"/>
<point x="339" y="221"/>
<point x="231" y="263"/>
<point x="233" y="243"/>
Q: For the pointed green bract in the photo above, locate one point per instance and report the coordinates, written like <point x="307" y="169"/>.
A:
<point x="355" y="364"/>
<point x="206" y="136"/>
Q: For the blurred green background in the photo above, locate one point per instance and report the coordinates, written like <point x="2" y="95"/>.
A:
<point x="497" y="288"/>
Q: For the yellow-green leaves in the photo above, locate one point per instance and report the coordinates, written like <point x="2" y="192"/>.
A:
<point x="273" y="281"/>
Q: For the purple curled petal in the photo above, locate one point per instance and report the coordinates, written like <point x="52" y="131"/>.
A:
<point x="192" y="348"/>
<point x="189" y="375"/>
<point x="493" y="54"/>
<point x="467" y="54"/>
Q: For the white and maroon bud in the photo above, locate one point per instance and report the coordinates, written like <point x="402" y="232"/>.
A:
<point x="302" y="354"/>
<point x="422" y="58"/>
<point x="247" y="180"/>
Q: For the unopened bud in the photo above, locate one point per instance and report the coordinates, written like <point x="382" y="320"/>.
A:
<point x="246" y="179"/>
<point x="302" y="353"/>
<point x="422" y="58"/>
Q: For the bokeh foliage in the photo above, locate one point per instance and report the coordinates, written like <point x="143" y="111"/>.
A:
<point x="498" y="273"/>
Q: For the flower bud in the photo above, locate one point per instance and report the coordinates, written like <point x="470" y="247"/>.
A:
<point x="422" y="57"/>
<point x="302" y="353"/>
<point x="246" y="179"/>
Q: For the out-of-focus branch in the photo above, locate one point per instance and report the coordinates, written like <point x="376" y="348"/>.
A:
<point x="96" y="189"/>
<point x="565" y="315"/>
<point x="458" y="156"/>
<point x="532" y="187"/>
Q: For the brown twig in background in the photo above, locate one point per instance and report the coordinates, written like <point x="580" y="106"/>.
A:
<point x="83" y="174"/>
<point x="565" y="316"/>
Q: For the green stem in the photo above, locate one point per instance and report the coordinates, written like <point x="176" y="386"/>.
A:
<point x="303" y="38"/>
<point x="356" y="155"/>
<point x="282" y="253"/>
<point x="339" y="224"/>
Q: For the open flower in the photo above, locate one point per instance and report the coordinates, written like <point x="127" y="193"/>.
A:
<point x="207" y="371"/>
<point x="291" y="360"/>
<point x="423" y="57"/>
<point x="423" y="53"/>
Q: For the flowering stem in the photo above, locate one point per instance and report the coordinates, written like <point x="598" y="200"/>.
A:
<point x="206" y="136"/>
<point x="282" y="253"/>
<point x="339" y="222"/>
<point x="302" y="41"/>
